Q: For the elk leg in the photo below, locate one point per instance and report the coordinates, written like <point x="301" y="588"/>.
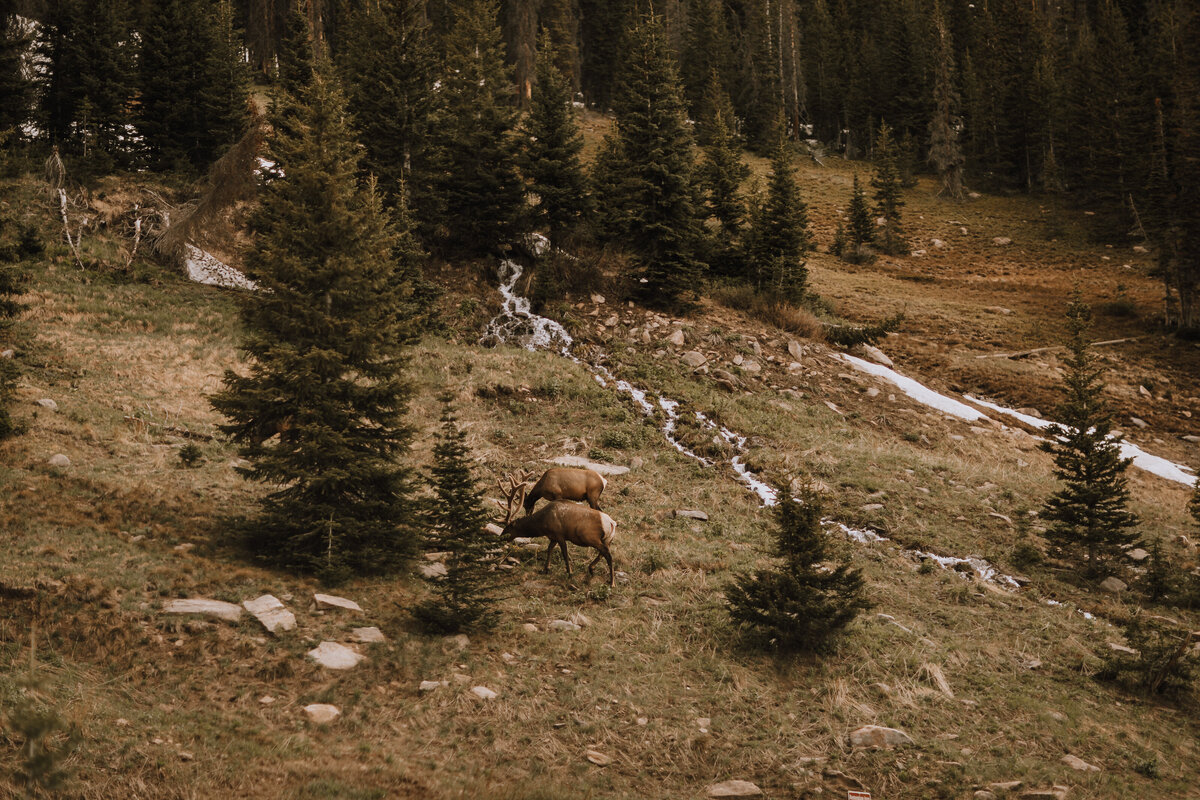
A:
<point x="593" y="501"/>
<point x="592" y="563"/>
<point x="612" y="576"/>
<point x="549" y="552"/>
<point x="566" y="558"/>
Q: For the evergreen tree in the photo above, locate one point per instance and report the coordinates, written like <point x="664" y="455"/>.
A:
<point x="887" y="195"/>
<point x="602" y="26"/>
<point x="387" y="60"/>
<point x="474" y="198"/>
<point x="656" y="167"/>
<point x="552" y="144"/>
<point x="721" y="176"/>
<point x="944" y="152"/>
<point x="706" y="58"/>
<point x="611" y="182"/>
<point x="14" y="246"/>
<point x="193" y="86"/>
<point x="296" y="54"/>
<point x="1090" y="510"/>
<point x="325" y="336"/>
<point x="859" y="233"/>
<point x="799" y="606"/>
<point x="465" y="596"/>
<point x="782" y="239"/>
<point x="16" y="90"/>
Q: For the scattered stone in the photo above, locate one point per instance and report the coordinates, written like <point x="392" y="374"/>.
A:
<point x="186" y="547"/>
<point x="1144" y="392"/>
<point x="563" y="625"/>
<point x="48" y="404"/>
<point x="643" y="721"/>
<point x="1137" y="554"/>
<point x="184" y="755"/>
<point x="598" y="299"/>
<point x="1137" y="248"/>
<point x="1075" y="762"/>
<point x="938" y="244"/>
<point x="266" y="699"/>
<point x="753" y="367"/>
<point x="483" y="693"/>
<point x="429" y="686"/>
<point x="983" y="794"/>
<point x="873" y="507"/>
<point x="1001" y="241"/>
<point x="998" y="515"/>
<point x="209" y="608"/>
<point x="1005" y="786"/>
<point x="1141" y="423"/>
<point x="459" y="641"/>
<point x="872" y="392"/>
<point x="875" y="354"/>
<point x="322" y="713"/>
<point x="612" y="321"/>
<point x="332" y="601"/>
<point x="1191" y="438"/>
<point x="598" y="758"/>
<point x="1055" y="792"/>
<point x="579" y="461"/>
<point x="879" y="736"/>
<point x="676" y="337"/>
<point x="7" y="354"/>
<point x="636" y="462"/>
<point x="795" y="350"/>
<point x="686" y="513"/>
<point x="271" y="613"/>
<point x="59" y="460"/>
<point x="693" y="358"/>
<point x="433" y="571"/>
<point x="734" y="789"/>
<point x="332" y="655"/>
<point x="1113" y="584"/>
<point x="1120" y="648"/>
<point x="579" y="619"/>
<point x="370" y="635"/>
<point x="529" y="627"/>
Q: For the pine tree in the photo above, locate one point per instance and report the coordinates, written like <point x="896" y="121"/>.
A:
<point x="721" y="176"/>
<point x="474" y="199"/>
<point x="387" y="60"/>
<point x="656" y="168"/>
<point x="23" y="244"/>
<point x="16" y="89"/>
<point x="325" y="337"/>
<point x="611" y="181"/>
<point x="193" y="88"/>
<point x="887" y="195"/>
<point x="552" y="145"/>
<point x="945" y="154"/>
<point x="706" y="58"/>
<point x="782" y="239"/>
<point x="860" y="229"/>
<point x="465" y="596"/>
<point x="296" y="54"/>
<point x="1090" y="510"/>
<point x="799" y="606"/>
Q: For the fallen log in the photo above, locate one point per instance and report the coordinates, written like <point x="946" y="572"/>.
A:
<point x="1036" y="350"/>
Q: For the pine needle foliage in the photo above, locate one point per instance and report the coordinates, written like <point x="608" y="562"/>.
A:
<point x="12" y="285"/>
<point x="721" y="176"/>
<point x="325" y="336"/>
<point x="1090" y="511"/>
<point x="799" y="606"/>
<point x="782" y="238"/>
<point x="464" y="599"/>
<point x="888" y="202"/>
<point x="858" y="235"/>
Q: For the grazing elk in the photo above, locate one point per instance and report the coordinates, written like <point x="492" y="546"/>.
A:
<point x="562" y="522"/>
<point x="567" y="484"/>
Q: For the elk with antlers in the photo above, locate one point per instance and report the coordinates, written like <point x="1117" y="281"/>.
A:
<point x="560" y="522"/>
<point x="567" y="484"/>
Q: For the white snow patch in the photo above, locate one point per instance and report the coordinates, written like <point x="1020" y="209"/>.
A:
<point x="204" y="267"/>
<point x="917" y="391"/>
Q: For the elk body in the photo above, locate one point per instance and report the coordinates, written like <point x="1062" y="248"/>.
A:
<point x="563" y="522"/>
<point x="567" y="484"/>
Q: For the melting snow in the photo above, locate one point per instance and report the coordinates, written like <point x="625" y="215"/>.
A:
<point x="204" y="267"/>
<point x="920" y="393"/>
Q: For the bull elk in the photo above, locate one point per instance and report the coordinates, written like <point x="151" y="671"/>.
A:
<point x="567" y="484"/>
<point x="561" y="522"/>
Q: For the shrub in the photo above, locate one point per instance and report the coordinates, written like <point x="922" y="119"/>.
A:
<point x="851" y="335"/>
<point x="1163" y="662"/>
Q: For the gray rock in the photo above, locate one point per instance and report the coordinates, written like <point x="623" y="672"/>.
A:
<point x="429" y="686"/>
<point x="7" y="354"/>
<point x="676" y="337"/>
<point x="752" y="367"/>
<point x="735" y="788"/>
<point x="1003" y="787"/>
<point x="322" y="713"/>
<point x="333" y="601"/>
<point x="1001" y="241"/>
<point x="579" y="461"/>
<point x="1137" y="554"/>
<point x="271" y="613"/>
<point x="873" y="507"/>
<point x="371" y="635"/>
<point x="483" y="693"/>
<point x="598" y="758"/>
<point x="59" y="460"/>
<point x="1141" y="423"/>
<point x="1137" y="248"/>
<point x="493" y="529"/>
<point x="1112" y="584"/>
<point x="612" y="321"/>
<point x="1191" y="438"/>
<point x="686" y="513"/>
<point x="332" y="655"/>
<point x="433" y="571"/>
<point x="879" y="736"/>
<point x="876" y="355"/>
<point x="795" y="350"/>
<point x="208" y="608"/>
<point x="1075" y="762"/>
<point x="693" y="358"/>
<point x="598" y="299"/>
<point x="983" y="794"/>
<point x="1055" y="792"/>
<point x="938" y="244"/>
<point x="563" y="625"/>
<point x="47" y="404"/>
<point x="636" y="462"/>
<point x="872" y="392"/>
<point x="1120" y="648"/>
<point x="459" y="641"/>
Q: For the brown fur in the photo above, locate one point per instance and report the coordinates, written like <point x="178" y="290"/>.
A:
<point x="563" y="522"/>
<point x="567" y="484"/>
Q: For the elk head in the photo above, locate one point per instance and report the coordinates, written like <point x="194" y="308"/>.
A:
<point x="513" y="487"/>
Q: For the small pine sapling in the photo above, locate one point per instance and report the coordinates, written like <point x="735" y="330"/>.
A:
<point x="799" y="606"/>
<point x="860" y="231"/>
<point x="465" y="596"/>
<point x="887" y="194"/>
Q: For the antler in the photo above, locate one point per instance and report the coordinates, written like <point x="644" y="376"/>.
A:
<point x="514" y="486"/>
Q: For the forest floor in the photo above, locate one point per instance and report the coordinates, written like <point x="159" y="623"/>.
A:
<point x="991" y="684"/>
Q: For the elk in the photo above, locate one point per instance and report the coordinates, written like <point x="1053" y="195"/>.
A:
<point x="562" y="522"/>
<point x="567" y="484"/>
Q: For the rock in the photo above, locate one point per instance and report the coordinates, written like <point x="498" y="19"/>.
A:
<point x="493" y="529"/>
<point x="48" y="404"/>
<point x="579" y="619"/>
<point x="938" y="244"/>
<point x="1001" y="241"/>
<point x="266" y="699"/>
<point x="333" y="601"/>
<point x="676" y="337"/>
<point x="753" y="367"/>
<point x="876" y="355"/>
<point x="322" y="713"/>
<point x="483" y="693"/>
<point x="7" y="354"/>
<point x="529" y="627"/>
<point x="734" y="789"/>
<point x="612" y="321"/>
<point x="209" y="608"/>
<point x="725" y="376"/>
<point x="1191" y="438"/>
<point x="795" y="350"/>
<point x="563" y="625"/>
<point x="1137" y="248"/>
<point x="872" y="392"/>
<point x="271" y="613"/>
<point x="1054" y="792"/>
<point x="186" y="547"/>
<point x="59" y="460"/>
<point x="332" y="655"/>
<point x="1144" y="392"/>
<point x="1141" y="423"/>
<point x="974" y="195"/>
<point x="983" y="794"/>
<point x="1120" y="648"/>
<point x="636" y="462"/>
<point x="429" y="686"/>
<point x="370" y="635"/>
<point x="184" y="755"/>
<point x="579" y="461"/>
<point x="693" y="359"/>
<point x="1003" y="787"/>
<point x="1137" y="554"/>
<point x="1075" y="762"/>
<point x="879" y="736"/>
<point x="873" y="507"/>
<point x="738" y="359"/>
<point x="685" y="513"/>
<point x="598" y="299"/>
<point x="598" y="758"/>
<point x="1114" y="585"/>
<point x="435" y="570"/>
<point x="459" y="641"/>
<point x="882" y="689"/>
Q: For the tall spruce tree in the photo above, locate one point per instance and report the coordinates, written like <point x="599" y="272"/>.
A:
<point x="721" y="176"/>
<point x="782" y="239"/>
<point x="552" y="145"/>
<point x="656" y="168"/>
<point x="888" y="202"/>
<point x="945" y="154"/>
<point x="325" y="337"/>
<point x="799" y="606"/>
<point x="464" y="597"/>
<point x="16" y="89"/>
<point x="1089" y="512"/>
<point x="858" y="235"/>
<point x="473" y="200"/>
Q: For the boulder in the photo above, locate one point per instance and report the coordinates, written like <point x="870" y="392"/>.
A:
<point x="1114" y="585"/>
<point x="332" y="655"/>
<point x="209" y="608"/>
<point x="483" y="693"/>
<point x="734" y="788"/>
<point x="333" y="601"/>
<point x="875" y="354"/>
<point x="322" y="713"/>
<point x="48" y="404"/>
<point x="271" y="613"/>
<point x="879" y="736"/>
<point x="795" y="350"/>
<point x="693" y="358"/>
<point x="493" y="529"/>
<point x="1075" y="762"/>
<point x="1140" y="423"/>
<point x="579" y="461"/>
<point x="684" y="513"/>
<point x="59" y="460"/>
<point x="371" y="635"/>
<point x="676" y="337"/>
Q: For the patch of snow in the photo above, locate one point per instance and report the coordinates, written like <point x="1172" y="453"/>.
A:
<point x="203" y="267"/>
<point x="917" y="391"/>
<point x="517" y="323"/>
